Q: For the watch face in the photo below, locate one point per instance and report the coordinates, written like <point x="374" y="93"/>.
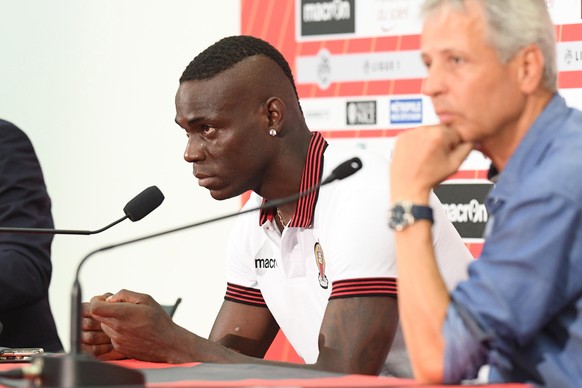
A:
<point x="397" y="218"/>
<point x="403" y="214"/>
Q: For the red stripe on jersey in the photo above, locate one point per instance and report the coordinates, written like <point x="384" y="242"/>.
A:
<point x="303" y="216"/>
<point x="311" y="176"/>
<point x="364" y="287"/>
<point x="246" y="295"/>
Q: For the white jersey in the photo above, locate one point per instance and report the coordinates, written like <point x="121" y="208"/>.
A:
<point x="337" y="245"/>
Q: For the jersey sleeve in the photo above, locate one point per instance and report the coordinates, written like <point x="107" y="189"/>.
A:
<point x="242" y="286"/>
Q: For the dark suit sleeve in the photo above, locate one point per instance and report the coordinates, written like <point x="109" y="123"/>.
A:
<point x="25" y="266"/>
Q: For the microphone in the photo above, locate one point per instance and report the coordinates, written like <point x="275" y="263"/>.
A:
<point x="136" y="209"/>
<point x="344" y="170"/>
<point x="143" y="204"/>
<point x="73" y="369"/>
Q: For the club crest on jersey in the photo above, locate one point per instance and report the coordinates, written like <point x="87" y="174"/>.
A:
<point x="320" y="262"/>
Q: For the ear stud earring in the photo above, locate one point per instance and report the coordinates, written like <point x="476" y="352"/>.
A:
<point x="273" y="132"/>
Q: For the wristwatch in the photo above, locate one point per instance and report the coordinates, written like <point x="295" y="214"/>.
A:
<point x="403" y="214"/>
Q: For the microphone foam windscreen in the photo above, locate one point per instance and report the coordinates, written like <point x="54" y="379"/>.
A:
<point x="347" y="168"/>
<point x="143" y="203"/>
<point x="344" y="170"/>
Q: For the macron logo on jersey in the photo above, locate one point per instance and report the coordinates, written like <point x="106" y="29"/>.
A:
<point x="265" y="263"/>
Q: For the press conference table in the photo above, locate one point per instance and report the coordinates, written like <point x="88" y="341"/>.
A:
<point x="250" y="375"/>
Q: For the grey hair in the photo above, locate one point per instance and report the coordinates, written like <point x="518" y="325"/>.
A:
<point x="513" y="25"/>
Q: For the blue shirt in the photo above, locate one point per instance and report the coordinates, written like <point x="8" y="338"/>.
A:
<point x="521" y="308"/>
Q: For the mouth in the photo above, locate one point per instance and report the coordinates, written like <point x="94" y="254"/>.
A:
<point x="445" y="117"/>
<point x="203" y="179"/>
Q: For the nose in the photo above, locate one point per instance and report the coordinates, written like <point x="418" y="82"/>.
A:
<point x="435" y="83"/>
<point x="194" y="151"/>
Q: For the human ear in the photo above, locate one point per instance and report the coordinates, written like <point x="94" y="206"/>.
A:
<point x="275" y="113"/>
<point x="530" y="68"/>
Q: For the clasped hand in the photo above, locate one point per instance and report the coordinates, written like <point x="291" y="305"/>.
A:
<point x="126" y="324"/>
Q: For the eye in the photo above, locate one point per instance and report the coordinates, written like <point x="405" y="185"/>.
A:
<point x="207" y="129"/>
<point x="456" y="60"/>
<point x="426" y="60"/>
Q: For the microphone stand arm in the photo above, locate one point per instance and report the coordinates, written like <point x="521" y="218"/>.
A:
<point x="267" y="205"/>
<point x="59" y="231"/>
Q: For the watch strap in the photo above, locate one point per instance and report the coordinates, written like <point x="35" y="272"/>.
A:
<point x="421" y="212"/>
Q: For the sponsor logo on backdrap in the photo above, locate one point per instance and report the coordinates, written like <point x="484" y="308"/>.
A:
<point x="326" y="68"/>
<point x="361" y="112"/>
<point x="322" y="20"/>
<point x="464" y="206"/>
<point x="570" y="56"/>
<point x="389" y="18"/>
<point x="325" y="11"/>
<point x="320" y="17"/>
<point x="472" y="212"/>
<point x="329" y="113"/>
<point x="406" y="111"/>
